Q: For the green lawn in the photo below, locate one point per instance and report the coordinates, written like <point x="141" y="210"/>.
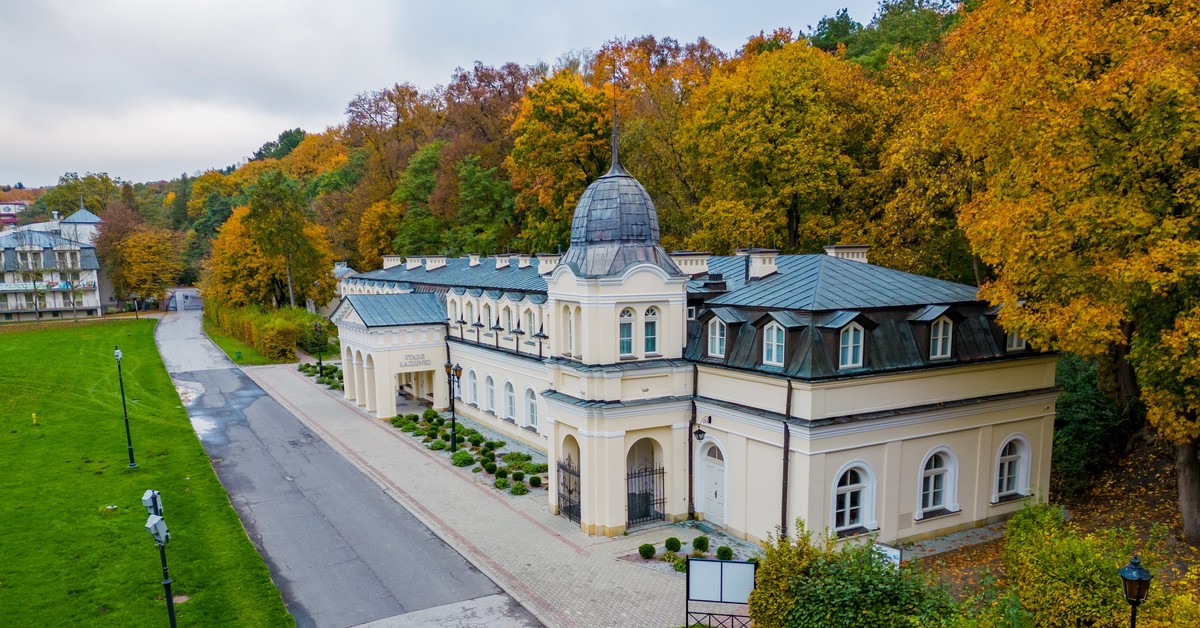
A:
<point x="67" y="557"/>
<point x="231" y="346"/>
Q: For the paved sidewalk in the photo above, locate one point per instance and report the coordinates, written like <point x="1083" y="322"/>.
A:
<point x="562" y="576"/>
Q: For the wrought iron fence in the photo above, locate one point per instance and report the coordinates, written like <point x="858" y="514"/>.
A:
<point x="646" y="496"/>
<point x="568" y="489"/>
<point x="718" y="620"/>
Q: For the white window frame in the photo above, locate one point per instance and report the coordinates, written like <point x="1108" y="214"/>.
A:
<point x="691" y="313"/>
<point x="531" y="321"/>
<point x="531" y="410"/>
<point x="717" y="332"/>
<point x="927" y="481"/>
<point x="847" y="342"/>
<point x="487" y="317"/>
<point x="472" y="387"/>
<point x="1010" y="479"/>
<point x="625" y="331"/>
<point x="508" y="318"/>
<point x="941" y="338"/>
<point x="510" y="401"/>
<point x="650" y="329"/>
<point x="865" y="487"/>
<point x="1014" y="342"/>
<point x="774" y="341"/>
<point x="470" y="309"/>
<point x="489" y="394"/>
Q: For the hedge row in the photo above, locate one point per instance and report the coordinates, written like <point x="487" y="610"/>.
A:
<point x="274" y="333"/>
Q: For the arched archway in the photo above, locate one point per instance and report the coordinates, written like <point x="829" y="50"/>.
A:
<point x="713" y="483"/>
<point x="570" y="494"/>
<point x="349" y="373"/>
<point x="645" y="482"/>
<point x="372" y="403"/>
<point x="360" y="380"/>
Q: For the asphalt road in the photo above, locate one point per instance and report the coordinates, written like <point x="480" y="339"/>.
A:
<point x="342" y="552"/>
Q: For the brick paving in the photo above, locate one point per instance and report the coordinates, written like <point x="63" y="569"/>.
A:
<point x="562" y="576"/>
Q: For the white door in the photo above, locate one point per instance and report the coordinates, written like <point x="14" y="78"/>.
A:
<point x="714" y="486"/>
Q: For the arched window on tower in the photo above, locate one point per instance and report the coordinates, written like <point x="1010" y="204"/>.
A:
<point x="650" y="326"/>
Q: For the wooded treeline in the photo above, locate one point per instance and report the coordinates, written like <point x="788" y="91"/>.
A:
<point x="1046" y="151"/>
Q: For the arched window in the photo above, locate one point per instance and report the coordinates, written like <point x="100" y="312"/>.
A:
<point x="531" y="321"/>
<point x="939" y="338"/>
<point x="470" y="312"/>
<point x="716" y="338"/>
<point x="625" y="331"/>
<point x="569" y="328"/>
<point x="850" y="346"/>
<point x="489" y="395"/>
<point x="531" y="417"/>
<point x="938" y="483"/>
<point x="510" y="401"/>
<point x="1012" y="470"/>
<point x="508" y="318"/>
<point x="651" y="328"/>
<point x="850" y="500"/>
<point x="487" y="316"/>
<point x="472" y="388"/>
<point x="773" y="345"/>
<point x="453" y="310"/>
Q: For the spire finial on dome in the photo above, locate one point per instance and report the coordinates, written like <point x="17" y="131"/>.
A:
<point x="616" y="161"/>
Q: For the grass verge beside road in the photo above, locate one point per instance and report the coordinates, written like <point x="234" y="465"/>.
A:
<point x="232" y="346"/>
<point x="72" y="538"/>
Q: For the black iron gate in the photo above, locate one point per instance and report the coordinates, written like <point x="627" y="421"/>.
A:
<point x="568" y="489"/>
<point x="647" y="497"/>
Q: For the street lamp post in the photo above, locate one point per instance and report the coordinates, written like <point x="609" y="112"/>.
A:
<point x="453" y="376"/>
<point x="320" y="330"/>
<point x="124" y="409"/>
<point x="157" y="527"/>
<point x="1135" y="582"/>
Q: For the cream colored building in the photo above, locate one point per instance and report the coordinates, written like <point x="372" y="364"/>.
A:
<point x="746" y="390"/>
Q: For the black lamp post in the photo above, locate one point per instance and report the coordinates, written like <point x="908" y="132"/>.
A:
<point x="157" y="527"/>
<point x="124" y="409"/>
<point x="453" y="376"/>
<point x="320" y="330"/>
<point x="1135" y="580"/>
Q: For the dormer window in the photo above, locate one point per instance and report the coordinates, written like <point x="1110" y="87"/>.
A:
<point x="487" y="314"/>
<point x="940" y="338"/>
<point x="850" y="346"/>
<point x="651" y="328"/>
<point x="1014" y="342"/>
<point x="508" y="318"/>
<point x="773" y="345"/>
<point x="625" y="331"/>
<point x="716" y="338"/>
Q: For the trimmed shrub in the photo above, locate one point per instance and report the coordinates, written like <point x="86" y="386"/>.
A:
<point x="490" y="466"/>
<point x="489" y="454"/>
<point x="518" y="476"/>
<point x="500" y="483"/>
<point x="488" y="445"/>
<point x="412" y="417"/>
<point x="535" y="467"/>
<point x="446" y="436"/>
<point x="680" y="564"/>
<point x="519" y="488"/>
<point x="430" y="414"/>
<point x="646" y="550"/>
<point x="438" y="445"/>
<point x="396" y="421"/>
<point x="497" y="444"/>
<point x="501" y="472"/>
<point x="672" y="544"/>
<point x="462" y="458"/>
<point x="408" y="426"/>
<point x="476" y="440"/>
<point x="725" y="552"/>
<point x="428" y="439"/>
<point x="477" y="469"/>
<point x="668" y="556"/>
<point x="700" y="543"/>
<point x="535" y="481"/>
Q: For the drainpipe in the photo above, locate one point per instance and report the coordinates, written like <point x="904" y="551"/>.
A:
<point x="691" y="453"/>
<point x="787" y="458"/>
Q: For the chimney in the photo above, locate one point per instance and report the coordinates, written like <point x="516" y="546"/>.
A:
<point x="523" y="261"/>
<point x="502" y="261"/>
<point x="473" y="260"/>
<point x="716" y="283"/>
<point x="433" y="262"/>
<point x="691" y="262"/>
<point x="392" y="260"/>
<point x="759" y="262"/>
<point x="339" y="265"/>
<point x="853" y="252"/>
<point x="411" y="263"/>
<point x="547" y="262"/>
<point x="55" y="212"/>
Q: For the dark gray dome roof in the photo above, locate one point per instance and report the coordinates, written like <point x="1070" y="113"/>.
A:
<point x="615" y="226"/>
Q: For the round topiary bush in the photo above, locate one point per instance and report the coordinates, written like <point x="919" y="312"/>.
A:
<point x="429" y="413"/>
<point x="535" y="481"/>
<point x="725" y="552"/>
<point x="476" y="440"/>
<point x="501" y="473"/>
<point x="519" y="488"/>
<point x="412" y="417"/>
<point x="462" y="458"/>
<point x="646" y="550"/>
<point x="489" y="454"/>
<point x="672" y="544"/>
<point x="500" y="483"/>
<point x="700" y="543"/>
<point x="490" y="466"/>
<point x="518" y="476"/>
<point x="446" y="436"/>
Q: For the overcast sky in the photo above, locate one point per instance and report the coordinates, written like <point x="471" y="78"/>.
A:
<point x="147" y="90"/>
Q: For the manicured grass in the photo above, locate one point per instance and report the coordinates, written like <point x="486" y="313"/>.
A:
<point x="66" y="557"/>
<point x="231" y="346"/>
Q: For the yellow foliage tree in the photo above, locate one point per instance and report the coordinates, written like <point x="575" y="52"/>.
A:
<point x="377" y="231"/>
<point x="152" y="262"/>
